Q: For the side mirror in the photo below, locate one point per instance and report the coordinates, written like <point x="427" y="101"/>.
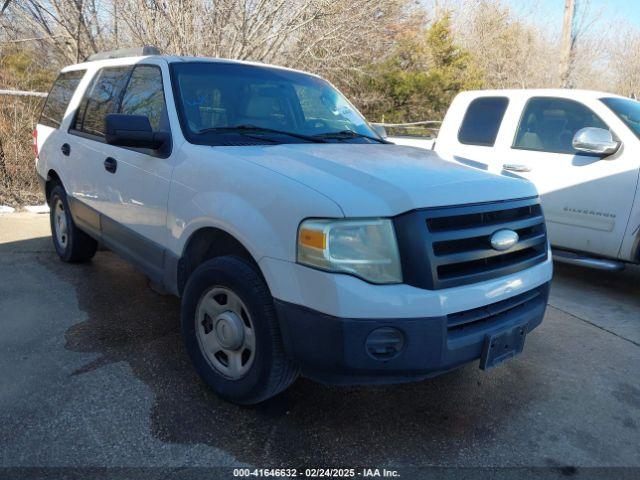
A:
<point x="380" y="130"/>
<point x="132" y="131"/>
<point x="596" y="141"/>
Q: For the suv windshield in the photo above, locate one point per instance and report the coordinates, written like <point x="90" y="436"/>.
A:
<point x="627" y="110"/>
<point x="229" y="104"/>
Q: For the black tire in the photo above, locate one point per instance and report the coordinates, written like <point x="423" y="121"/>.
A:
<point x="271" y="371"/>
<point x="77" y="246"/>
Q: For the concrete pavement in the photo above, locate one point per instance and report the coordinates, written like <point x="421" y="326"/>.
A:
<point x="93" y="373"/>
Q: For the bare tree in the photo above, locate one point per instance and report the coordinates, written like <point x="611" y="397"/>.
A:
<point x="330" y="37"/>
<point x="68" y="30"/>
<point x="586" y="48"/>
<point x="300" y="32"/>
<point x="510" y="52"/>
<point x="624" y="63"/>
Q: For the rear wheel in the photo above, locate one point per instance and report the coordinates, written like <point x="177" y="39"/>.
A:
<point x="71" y="243"/>
<point x="232" y="334"/>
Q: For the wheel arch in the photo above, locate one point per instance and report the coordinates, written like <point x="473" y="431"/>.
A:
<point x="51" y="181"/>
<point x="206" y="243"/>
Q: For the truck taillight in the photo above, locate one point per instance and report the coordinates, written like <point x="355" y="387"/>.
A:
<point x="35" y="143"/>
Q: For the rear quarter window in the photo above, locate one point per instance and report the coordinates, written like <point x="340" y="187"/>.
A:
<point x="59" y="97"/>
<point x="482" y="121"/>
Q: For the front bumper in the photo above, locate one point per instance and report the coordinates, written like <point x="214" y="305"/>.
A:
<point x="334" y="350"/>
<point x="345" y="296"/>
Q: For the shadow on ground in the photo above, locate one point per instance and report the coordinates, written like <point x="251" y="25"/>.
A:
<point x="523" y="412"/>
<point x="620" y="283"/>
<point x="308" y="424"/>
<point x="572" y="398"/>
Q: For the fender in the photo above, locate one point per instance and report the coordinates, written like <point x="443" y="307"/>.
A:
<point x="247" y="200"/>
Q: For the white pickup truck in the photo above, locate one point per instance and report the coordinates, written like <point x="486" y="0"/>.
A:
<point x="580" y="148"/>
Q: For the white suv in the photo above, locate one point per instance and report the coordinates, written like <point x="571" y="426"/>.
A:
<point x="298" y="239"/>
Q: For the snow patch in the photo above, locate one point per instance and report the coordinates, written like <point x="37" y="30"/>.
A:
<point x="44" y="208"/>
<point x="6" y="209"/>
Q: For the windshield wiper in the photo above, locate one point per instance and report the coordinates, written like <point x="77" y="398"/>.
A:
<point x="349" y="134"/>
<point x="247" y="129"/>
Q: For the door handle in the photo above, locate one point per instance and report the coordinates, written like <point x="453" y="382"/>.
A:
<point x="110" y="165"/>
<point x="516" y="167"/>
<point x="65" y="149"/>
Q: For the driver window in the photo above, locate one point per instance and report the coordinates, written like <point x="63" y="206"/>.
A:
<point x="549" y="124"/>
<point x="144" y="95"/>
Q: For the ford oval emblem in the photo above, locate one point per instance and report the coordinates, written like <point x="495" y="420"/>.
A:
<point x="504" y="239"/>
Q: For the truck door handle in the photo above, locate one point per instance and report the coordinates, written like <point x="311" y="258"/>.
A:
<point x="110" y="165"/>
<point x="65" y="149"/>
<point x="516" y="167"/>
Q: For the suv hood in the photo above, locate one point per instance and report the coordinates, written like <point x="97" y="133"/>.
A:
<point x="386" y="180"/>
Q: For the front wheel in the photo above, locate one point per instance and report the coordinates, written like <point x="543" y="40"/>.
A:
<point x="231" y="332"/>
<point x="71" y="243"/>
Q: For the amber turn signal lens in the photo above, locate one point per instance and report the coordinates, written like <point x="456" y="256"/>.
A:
<point x="313" y="238"/>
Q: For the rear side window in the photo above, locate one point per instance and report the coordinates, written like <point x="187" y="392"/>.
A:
<point x="482" y="121"/>
<point x="549" y="124"/>
<point x="144" y="95"/>
<point x="59" y="97"/>
<point x="101" y="98"/>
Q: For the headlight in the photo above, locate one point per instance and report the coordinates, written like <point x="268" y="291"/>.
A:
<point x="364" y="248"/>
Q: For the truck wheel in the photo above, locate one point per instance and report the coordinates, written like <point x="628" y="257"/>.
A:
<point x="71" y="243"/>
<point x="231" y="332"/>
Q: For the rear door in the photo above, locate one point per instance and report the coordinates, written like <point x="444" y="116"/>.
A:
<point x="50" y="136"/>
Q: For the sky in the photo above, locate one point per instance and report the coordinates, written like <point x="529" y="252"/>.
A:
<point x="608" y="10"/>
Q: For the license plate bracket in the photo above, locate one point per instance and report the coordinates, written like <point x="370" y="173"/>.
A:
<point x="502" y="346"/>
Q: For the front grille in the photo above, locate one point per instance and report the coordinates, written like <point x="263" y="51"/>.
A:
<point x="481" y="318"/>
<point x="448" y="247"/>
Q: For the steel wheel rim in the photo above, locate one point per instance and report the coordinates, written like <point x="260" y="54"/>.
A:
<point x="60" y="223"/>
<point x="225" y="332"/>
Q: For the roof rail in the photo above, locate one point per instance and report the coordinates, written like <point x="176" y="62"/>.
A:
<point x="125" y="52"/>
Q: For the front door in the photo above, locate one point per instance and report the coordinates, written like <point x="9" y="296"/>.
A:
<point x="131" y="186"/>
<point x="587" y="199"/>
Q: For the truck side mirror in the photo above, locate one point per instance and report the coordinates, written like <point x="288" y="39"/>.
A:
<point x="598" y="141"/>
<point x="132" y="131"/>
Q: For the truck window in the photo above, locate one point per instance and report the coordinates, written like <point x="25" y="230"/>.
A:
<point x="627" y="110"/>
<point x="144" y="95"/>
<point x="100" y="99"/>
<point x="482" y="121"/>
<point x="59" y="97"/>
<point x="549" y="124"/>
